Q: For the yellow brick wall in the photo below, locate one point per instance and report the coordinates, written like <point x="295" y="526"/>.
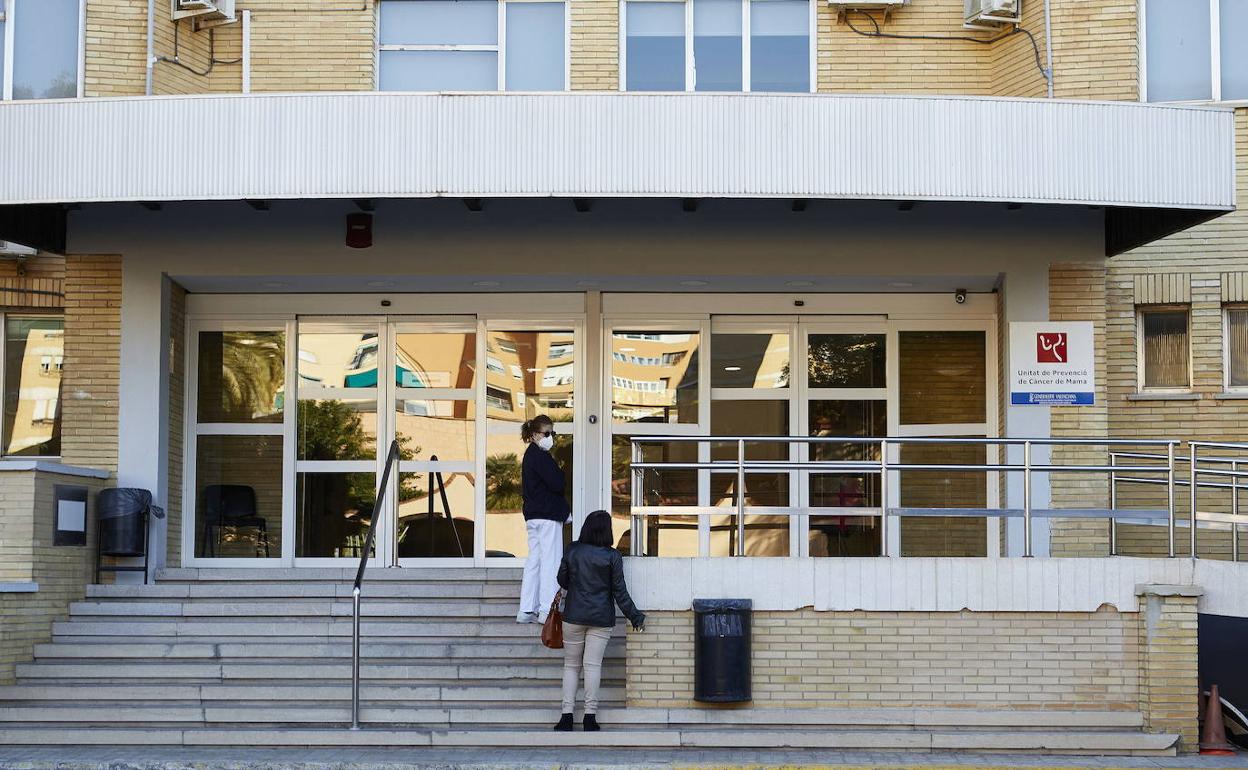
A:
<point x="595" y="43"/>
<point x="1095" y="49"/>
<point x="1014" y="58"/>
<point x="815" y="659"/>
<point x="92" y="361"/>
<point x="1169" y="677"/>
<point x="116" y="45"/>
<point x="27" y="555"/>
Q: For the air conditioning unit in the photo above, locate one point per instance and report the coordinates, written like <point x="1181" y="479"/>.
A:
<point x="10" y="249"/>
<point x="217" y="11"/>
<point x="887" y="6"/>
<point x="992" y="14"/>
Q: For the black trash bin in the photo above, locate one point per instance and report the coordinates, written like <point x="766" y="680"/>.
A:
<point x="721" y="650"/>
<point x="122" y="515"/>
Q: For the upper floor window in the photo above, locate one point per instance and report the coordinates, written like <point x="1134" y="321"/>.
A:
<point x="39" y="48"/>
<point x="1193" y="50"/>
<point x="717" y="45"/>
<point x="1164" y="348"/>
<point x="472" y="45"/>
<point x="1236" y="346"/>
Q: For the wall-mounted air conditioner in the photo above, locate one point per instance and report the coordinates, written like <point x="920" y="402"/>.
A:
<point x="991" y="14"/>
<point x="10" y="249"/>
<point x="887" y="6"/>
<point x="219" y="11"/>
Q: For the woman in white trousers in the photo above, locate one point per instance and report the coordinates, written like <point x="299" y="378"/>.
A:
<point x="545" y="512"/>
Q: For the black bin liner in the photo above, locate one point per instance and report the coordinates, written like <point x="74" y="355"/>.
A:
<point x="121" y="513"/>
<point x="722" y="650"/>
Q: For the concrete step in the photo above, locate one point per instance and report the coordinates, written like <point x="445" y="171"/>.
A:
<point x="527" y="651"/>
<point x="1069" y="741"/>
<point x="322" y="629"/>
<point x="309" y="608"/>
<point x="400" y="672"/>
<point x="344" y="575"/>
<point x="490" y="694"/>
<point x="506" y="590"/>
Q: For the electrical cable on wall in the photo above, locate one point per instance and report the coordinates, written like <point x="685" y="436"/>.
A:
<point x="212" y="53"/>
<point x="877" y="32"/>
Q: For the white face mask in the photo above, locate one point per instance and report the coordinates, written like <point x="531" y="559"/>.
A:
<point x="546" y="442"/>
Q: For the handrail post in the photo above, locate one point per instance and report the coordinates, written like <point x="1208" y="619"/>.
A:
<point x="636" y="492"/>
<point x="1113" y="505"/>
<point x="884" y="497"/>
<point x="740" y="497"/>
<point x="1235" y="510"/>
<point x="1192" y="486"/>
<point x="1170" y="517"/>
<point x="1026" y="498"/>
<point x="355" y="658"/>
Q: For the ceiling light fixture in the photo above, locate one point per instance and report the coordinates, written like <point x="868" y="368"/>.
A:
<point x="381" y="284"/>
<point x="799" y="283"/>
<point x="276" y="284"/>
<point x="693" y="283"/>
<point x="732" y="368"/>
<point x="486" y="284"/>
<point x="901" y="284"/>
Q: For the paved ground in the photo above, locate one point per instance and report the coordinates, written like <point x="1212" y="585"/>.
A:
<point x="130" y="758"/>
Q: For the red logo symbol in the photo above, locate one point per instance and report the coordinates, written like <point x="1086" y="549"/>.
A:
<point x="1051" y="348"/>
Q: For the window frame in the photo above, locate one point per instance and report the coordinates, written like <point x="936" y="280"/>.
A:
<point x="1227" y="309"/>
<point x="9" y="15"/>
<point x="5" y="315"/>
<point x="1170" y="307"/>
<point x="1215" y="60"/>
<point x="746" y="75"/>
<point x="499" y="48"/>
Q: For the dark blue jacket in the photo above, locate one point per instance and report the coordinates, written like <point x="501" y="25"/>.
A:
<point x="543" y="482"/>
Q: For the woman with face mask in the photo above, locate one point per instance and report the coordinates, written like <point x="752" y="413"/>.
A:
<point x="545" y="512"/>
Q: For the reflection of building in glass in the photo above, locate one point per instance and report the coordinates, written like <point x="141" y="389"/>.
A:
<point x="654" y="376"/>
<point x="34" y="360"/>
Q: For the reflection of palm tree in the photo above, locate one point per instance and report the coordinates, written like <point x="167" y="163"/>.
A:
<point x="503" y="487"/>
<point x="252" y="373"/>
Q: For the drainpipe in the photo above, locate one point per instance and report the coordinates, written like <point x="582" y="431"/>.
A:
<point x="151" y="43"/>
<point x="1048" y="48"/>
<point x="246" y="52"/>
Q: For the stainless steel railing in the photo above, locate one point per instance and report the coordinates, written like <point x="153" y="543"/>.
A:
<point x="889" y="471"/>
<point x="392" y="457"/>
<point x="1227" y="470"/>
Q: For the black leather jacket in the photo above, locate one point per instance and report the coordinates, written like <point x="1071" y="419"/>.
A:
<point x="593" y="577"/>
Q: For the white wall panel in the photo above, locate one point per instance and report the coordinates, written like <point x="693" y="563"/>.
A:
<point x="679" y="145"/>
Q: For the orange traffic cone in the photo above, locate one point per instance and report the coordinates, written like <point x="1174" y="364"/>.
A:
<point x="1213" y="737"/>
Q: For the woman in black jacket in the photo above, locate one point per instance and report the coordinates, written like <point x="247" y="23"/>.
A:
<point x="592" y="578"/>
<point x="545" y="512"/>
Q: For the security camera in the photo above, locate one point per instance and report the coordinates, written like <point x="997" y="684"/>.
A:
<point x="959" y="296"/>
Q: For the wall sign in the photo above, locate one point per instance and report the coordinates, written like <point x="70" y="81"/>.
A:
<point x="1052" y="364"/>
<point x="69" y="511"/>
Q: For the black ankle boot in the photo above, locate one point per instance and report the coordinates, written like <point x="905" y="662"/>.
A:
<point x="591" y="723"/>
<point x="565" y="724"/>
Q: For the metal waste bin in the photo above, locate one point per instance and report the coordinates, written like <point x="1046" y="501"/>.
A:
<point x="721" y="650"/>
<point x="122" y="515"/>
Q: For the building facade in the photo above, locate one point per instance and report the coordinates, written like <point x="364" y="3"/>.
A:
<point x="263" y="243"/>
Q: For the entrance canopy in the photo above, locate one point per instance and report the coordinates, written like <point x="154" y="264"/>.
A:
<point x="1155" y="169"/>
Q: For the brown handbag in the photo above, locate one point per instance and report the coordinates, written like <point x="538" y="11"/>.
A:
<point x="552" y="629"/>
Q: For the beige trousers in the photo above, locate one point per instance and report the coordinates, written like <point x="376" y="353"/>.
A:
<point x="583" y="647"/>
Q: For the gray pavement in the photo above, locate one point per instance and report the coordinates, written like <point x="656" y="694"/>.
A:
<point x="155" y="758"/>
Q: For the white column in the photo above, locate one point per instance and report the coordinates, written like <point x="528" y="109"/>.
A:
<point x="143" y="408"/>
<point x="1025" y="298"/>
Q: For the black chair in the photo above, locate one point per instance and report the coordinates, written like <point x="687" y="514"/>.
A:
<point x="233" y="506"/>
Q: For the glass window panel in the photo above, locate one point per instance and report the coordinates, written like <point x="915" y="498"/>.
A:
<point x="435" y="360"/>
<point x="238" y="497"/>
<point x="717" y="45"/>
<point x="943" y="377"/>
<point x="1234" y="54"/>
<point x="437" y="525"/>
<point x="333" y="512"/>
<point x="34" y="359"/>
<point x="1165" y="348"/>
<point x="944" y="535"/>
<point x="338" y="360"/>
<point x="846" y="360"/>
<point x="669" y="535"/>
<point x="845" y="535"/>
<point x="45" y="49"/>
<point x="654" y="377"/>
<point x="2" y="37"/>
<point x="505" y="533"/>
<point x="439" y="71"/>
<point x="530" y="373"/>
<point x="1237" y="347"/>
<point x="439" y="22"/>
<point x="242" y="376"/>
<point x="445" y="430"/>
<point x="535" y="46"/>
<point x="1178" y="36"/>
<point x="780" y="45"/>
<point x="750" y="418"/>
<point x="750" y="360"/>
<point x="655" y="46"/>
<point x="765" y="535"/>
<point x="337" y="429"/>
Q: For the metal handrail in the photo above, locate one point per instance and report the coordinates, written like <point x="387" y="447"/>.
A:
<point x="392" y="457"/>
<point x="884" y="467"/>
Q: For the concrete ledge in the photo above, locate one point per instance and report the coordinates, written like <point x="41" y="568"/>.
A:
<point x="19" y="588"/>
<point x="1168" y="590"/>
<point x="51" y="466"/>
<point x="1163" y="396"/>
